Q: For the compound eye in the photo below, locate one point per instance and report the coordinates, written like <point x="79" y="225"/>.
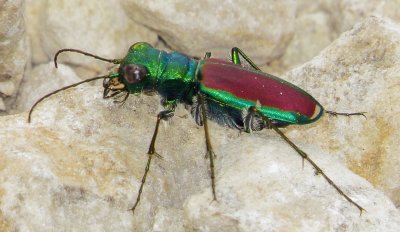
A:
<point x="134" y="73"/>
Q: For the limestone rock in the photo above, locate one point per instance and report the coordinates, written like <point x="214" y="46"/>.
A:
<point x="261" y="28"/>
<point x="359" y="72"/>
<point x="263" y="187"/>
<point x="318" y="23"/>
<point x="41" y="80"/>
<point x="312" y="34"/>
<point x="79" y="164"/>
<point x="345" y="14"/>
<point x="14" y="52"/>
<point x="100" y="27"/>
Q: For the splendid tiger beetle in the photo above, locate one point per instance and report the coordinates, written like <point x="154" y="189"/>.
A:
<point x="227" y="92"/>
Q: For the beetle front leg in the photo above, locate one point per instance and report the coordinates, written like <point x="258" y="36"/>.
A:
<point x="168" y="104"/>
<point x="235" y="52"/>
<point x="209" y="153"/>
<point x="163" y="115"/>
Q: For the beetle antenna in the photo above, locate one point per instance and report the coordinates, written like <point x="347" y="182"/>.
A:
<point x="114" y="61"/>
<point x="61" y="89"/>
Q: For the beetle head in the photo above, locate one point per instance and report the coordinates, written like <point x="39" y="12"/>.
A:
<point x="137" y="72"/>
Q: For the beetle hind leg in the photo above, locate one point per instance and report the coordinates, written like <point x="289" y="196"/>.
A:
<point x="305" y="156"/>
<point x="252" y="121"/>
<point x="235" y="55"/>
<point x="334" y="113"/>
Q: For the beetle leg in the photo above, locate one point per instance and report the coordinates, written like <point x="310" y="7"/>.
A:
<point x="106" y="95"/>
<point x="333" y="113"/>
<point x="122" y="101"/>
<point x="196" y="111"/>
<point x="210" y="153"/>
<point x="235" y="52"/>
<point x="152" y="151"/>
<point x="168" y="104"/>
<point x="305" y="156"/>
<point x="252" y="121"/>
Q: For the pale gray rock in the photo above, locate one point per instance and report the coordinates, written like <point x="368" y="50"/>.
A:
<point x="78" y="167"/>
<point x="14" y="51"/>
<point x="359" y="72"/>
<point x="99" y="27"/>
<point x="345" y="14"/>
<point x="312" y="34"/>
<point x="261" y="28"/>
<point x="41" y="80"/>
<point x="263" y="187"/>
<point x="318" y="23"/>
<point x="2" y="105"/>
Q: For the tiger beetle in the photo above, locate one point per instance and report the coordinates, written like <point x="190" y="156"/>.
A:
<point x="227" y="92"/>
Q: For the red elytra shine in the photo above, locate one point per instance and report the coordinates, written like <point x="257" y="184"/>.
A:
<point x="254" y="85"/>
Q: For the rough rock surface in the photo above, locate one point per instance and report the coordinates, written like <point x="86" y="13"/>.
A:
<point x="196" y="27"/>
<point x="359" y="72"/>
<point x="78" y="166"/>
<point x="41" y="80"/>
<point x="318" y="23"/>
<point x="14" y="52"/>
<point x="100" y="27"/>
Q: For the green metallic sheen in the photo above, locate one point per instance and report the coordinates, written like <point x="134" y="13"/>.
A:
<point x="171" y="74"/>
<point x="175" y="76"/>
<point x="234" y="103"/>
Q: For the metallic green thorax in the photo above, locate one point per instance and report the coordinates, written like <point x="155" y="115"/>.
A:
<point x="170" y="74"/>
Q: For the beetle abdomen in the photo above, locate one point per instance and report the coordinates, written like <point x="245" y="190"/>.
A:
<point x="242" y="88"/>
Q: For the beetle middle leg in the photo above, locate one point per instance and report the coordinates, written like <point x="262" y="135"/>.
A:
<point x="163" y="115"/>
<point x="201" y="119"/>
